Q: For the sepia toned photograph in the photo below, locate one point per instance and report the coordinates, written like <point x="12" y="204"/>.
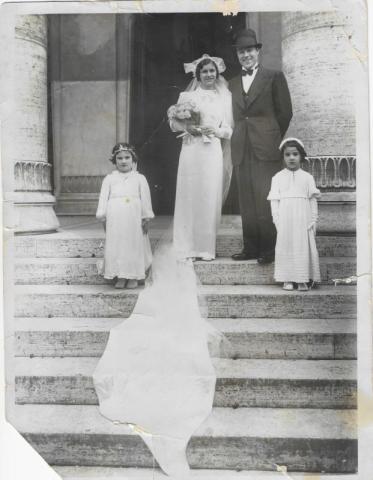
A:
<point x="180" y="242"/>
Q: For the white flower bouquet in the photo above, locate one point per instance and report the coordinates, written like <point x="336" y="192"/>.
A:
<point x="188" y="115"/>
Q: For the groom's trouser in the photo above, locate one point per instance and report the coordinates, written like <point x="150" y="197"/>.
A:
<point x="254" y="183"/>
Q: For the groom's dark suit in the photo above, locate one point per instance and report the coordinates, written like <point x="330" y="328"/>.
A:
<point x="261" y="118"/>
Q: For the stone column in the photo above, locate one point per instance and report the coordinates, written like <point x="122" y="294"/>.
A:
<point x="33" y="200"/>
<point x="318" y="64"/>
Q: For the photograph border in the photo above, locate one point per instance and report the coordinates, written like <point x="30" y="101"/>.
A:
<point x="13" y="447"/>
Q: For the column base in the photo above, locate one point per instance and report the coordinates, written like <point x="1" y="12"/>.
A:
<point x="337" y="213"/>
<point x="77" y="203"/>
<point x="34" y="213"/>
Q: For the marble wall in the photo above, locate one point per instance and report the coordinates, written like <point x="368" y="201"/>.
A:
<point x="90" y="96"/>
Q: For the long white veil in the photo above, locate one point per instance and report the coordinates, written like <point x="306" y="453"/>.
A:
<point x="156" y="376"/>
<point x="226" y="97"/>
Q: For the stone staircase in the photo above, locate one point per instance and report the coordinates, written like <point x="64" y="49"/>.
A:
<point x="286" y="378"/>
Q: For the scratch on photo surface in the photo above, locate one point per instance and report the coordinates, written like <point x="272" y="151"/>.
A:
<point x="284" y="471"/>
<point x="349" y="280"/>
<point x="359" y="11"/>
<point x="138" y="429"/>
<point x="227" y="7"/>
<point x="141" y="6"/>
<point x="365" y="411"/>
<point x="362" y="57"/>
<point x="121" y="7"/>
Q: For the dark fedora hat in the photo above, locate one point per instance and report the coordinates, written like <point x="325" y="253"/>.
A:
<point x="246" y="38"/>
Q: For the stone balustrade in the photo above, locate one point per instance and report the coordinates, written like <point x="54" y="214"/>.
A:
<point x="332" y="172"/>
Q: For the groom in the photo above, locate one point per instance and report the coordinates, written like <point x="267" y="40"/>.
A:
<point x="262" y="112"/>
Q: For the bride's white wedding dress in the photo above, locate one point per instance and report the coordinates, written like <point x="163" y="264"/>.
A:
<point x="156" y="373"/>
<point x="203" y="175"/>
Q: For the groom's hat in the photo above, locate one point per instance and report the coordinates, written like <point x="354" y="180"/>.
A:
<point x="246" y="38"/>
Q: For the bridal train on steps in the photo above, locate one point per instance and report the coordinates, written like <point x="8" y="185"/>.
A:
<point x="156" y="376"/>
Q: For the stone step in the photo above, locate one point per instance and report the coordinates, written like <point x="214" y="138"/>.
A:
<point x="35" y="271"/>
<point x="264" y="301"/>
<point x="225" y="271"/>
<point x="106" y="473"/>
<point x="311" y="440"/>
<point x="243" y="338"/>
<point x="240" y="383"/>
<point x="89" y="242"/>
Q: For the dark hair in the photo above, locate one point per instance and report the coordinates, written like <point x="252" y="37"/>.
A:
<point x="120" y="147"/>
<point x="202" y="63"/>
<point x="298" y="146"/>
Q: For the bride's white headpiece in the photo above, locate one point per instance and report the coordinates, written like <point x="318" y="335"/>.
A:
<point x="191" y="67"/>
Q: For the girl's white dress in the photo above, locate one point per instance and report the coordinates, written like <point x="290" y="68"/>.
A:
<point x="202" y="176"/>
<point x="124" y="202"/>
<point x="293" y="199"/>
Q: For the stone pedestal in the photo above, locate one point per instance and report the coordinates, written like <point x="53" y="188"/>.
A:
<point x="318" y="64"/>
<point x="32" y="197"/>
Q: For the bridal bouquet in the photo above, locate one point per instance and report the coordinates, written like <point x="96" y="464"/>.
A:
<point x="187" y="114"/>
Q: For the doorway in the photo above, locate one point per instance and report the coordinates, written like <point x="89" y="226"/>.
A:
<point x="162" y="44"/>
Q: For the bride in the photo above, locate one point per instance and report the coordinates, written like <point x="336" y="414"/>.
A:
<point x="205" y="166"/>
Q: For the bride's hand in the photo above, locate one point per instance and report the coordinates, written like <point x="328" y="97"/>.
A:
<point x="193" y="130"/>
<point x="209" y="131"/>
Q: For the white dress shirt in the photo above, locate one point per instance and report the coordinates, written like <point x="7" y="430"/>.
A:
<point x="247" y="80"/>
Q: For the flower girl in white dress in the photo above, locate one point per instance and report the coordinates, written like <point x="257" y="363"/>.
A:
<point x="293" y="199"/>
<point x="125" y="208"/>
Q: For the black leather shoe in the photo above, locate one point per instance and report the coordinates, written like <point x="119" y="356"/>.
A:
<point x="266" y="259"/>
<point x="244" y="256"/>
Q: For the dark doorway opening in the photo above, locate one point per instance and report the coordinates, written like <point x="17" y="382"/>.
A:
<point x="162" y="43"/>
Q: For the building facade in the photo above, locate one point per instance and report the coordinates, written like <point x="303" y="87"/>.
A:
<point x="84" y="82"/>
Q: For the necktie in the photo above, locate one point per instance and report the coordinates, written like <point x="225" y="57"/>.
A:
<point x="250" y="71"/>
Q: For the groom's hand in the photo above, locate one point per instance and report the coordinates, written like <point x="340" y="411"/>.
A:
<point x="208" y="131"/>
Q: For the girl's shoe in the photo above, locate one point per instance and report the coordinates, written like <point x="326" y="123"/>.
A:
<point x="121" y="283"/>
<point x="207" y="259"/>
<point x="302" y="287"/>
<point x="132" y="284"/>
<point x="288" y="286"/>
<point x="311" y="284"/>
